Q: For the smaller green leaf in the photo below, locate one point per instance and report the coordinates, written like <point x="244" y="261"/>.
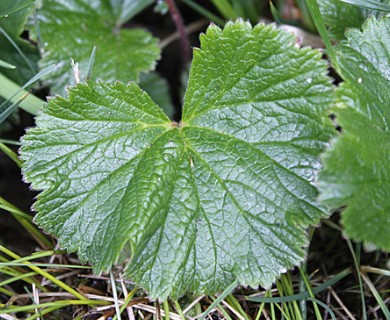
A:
<point x="13" y="49"/>
<point x="14" y="14"/>
<point x="357" y="166"/>
<point x="124" y="10"/>
<point x="70" y="30"/>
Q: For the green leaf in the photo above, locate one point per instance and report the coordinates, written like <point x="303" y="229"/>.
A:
<point x="12" y="48"/>
<point x="357" y="167"/>
<point x="224" y="195"/>
<point x="70" y="29"/>
<point x="25" y="67"/>
<point x="124" y="10"/>
<point x="14" y="14"/>
<point x="339" y="16"/>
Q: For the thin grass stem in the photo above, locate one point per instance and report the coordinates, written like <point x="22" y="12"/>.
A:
<point x="20" y="52"/>
<point x="45" y="274"/>
<point x="309" y="289"/>
<point x="377" y="296"/>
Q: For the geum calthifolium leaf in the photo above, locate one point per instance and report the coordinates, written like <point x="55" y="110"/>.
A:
<point x="224" y="195"/>
<point x="70" y="29"/>
<point x="357" y="166"/>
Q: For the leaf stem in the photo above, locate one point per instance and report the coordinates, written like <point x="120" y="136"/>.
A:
<point x="185" y="42"/>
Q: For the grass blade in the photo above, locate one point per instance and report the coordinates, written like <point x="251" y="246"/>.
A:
<point x="377" y="296"/>
<point x="356" y="261"/>
<point x="304" y="295"/>
<point x="225" y="8"/>
<point x="90" y="64"/>
<point x="275" y="13"/>
<point x="26" y="221"/>
<point x="10" y="40"/>
<point x="204" y="12"/>
<point x="316" y="301"/>
<point x="14" y="93"/>
<point x="320" y="25"/>
<point x="45" y="274"/>
<point x="115" y="295"/>
<point x="11" y="142"/>
<point x="217" y="301"/>
<point x="58" y="304"/>
<point x="309" y="289"/>
<point x="6" y="65"/>
<point x="11" y="154"/>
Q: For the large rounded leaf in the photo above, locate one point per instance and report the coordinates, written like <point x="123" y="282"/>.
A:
<point x="223" y="195"/>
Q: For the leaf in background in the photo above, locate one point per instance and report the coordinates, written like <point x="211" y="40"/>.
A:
<point x="224" y="195"/>
<point x="13" y="25"/>
<point x="158" y="89"/>
<point x="124" y="10"/>
<point x="70" y="29"/>
<point x="339" y="16"/>
<point x="357" y="167"/>
<point x="15" y="14"/>
<point x="24" y="71"/>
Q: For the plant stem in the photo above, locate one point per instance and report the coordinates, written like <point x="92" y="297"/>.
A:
<point x="11" y="154"/>
<point x="185" y="42"/>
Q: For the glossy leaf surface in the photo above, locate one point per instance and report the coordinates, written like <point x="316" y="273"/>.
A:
<point x="357" y="167"/>
<point x="224" y="195"/>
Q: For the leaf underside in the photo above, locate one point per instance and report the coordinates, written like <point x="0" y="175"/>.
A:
<point x="357" y="166"/>
<point x="70" y="29"/>
<point x="224" y="195"/>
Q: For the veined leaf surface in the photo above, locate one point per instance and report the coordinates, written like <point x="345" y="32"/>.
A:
<point x="223" y="195"/>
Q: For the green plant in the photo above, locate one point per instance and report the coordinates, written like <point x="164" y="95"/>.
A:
<point x="224" y="196"/>
<point x="202" y="202"/>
